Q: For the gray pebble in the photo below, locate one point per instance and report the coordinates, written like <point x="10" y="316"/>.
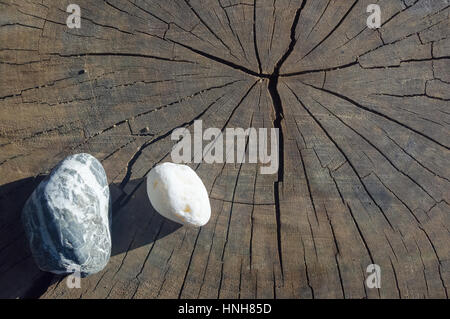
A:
<point x="67" y="219"/>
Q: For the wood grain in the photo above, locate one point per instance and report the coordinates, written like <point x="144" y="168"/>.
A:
<point x="364" y="122"/>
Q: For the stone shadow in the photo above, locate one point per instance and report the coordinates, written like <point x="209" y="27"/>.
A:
<point x="135" y="223"/>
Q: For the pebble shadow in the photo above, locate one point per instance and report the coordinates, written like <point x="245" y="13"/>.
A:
<point x="135" y="223"/>
<point x="19" y="276"/>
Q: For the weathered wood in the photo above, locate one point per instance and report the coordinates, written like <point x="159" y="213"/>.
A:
<point x="364" y="128"/>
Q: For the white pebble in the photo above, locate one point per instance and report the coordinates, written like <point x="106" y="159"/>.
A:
<point x="178" y="194"/>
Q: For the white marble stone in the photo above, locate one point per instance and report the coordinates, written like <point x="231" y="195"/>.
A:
<point x="178" y="194"/>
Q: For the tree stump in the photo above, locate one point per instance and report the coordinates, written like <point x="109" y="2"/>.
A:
<point x="363" y="117"/>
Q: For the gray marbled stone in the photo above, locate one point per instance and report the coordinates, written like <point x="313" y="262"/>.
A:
<point x="67" y="219"/>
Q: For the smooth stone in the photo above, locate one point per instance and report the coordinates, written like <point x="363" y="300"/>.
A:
<point x="67" y="219"/>
<point x="177" y="193"/>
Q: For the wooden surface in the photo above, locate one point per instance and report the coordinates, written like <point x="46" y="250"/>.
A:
<point x="364" y="117"/>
